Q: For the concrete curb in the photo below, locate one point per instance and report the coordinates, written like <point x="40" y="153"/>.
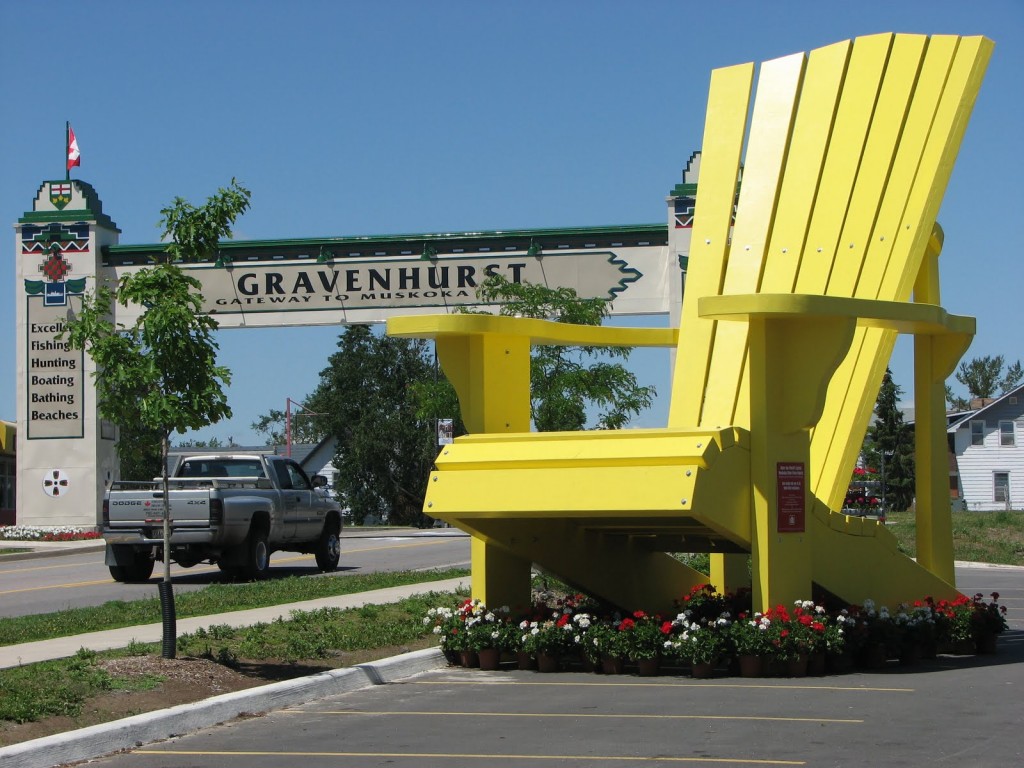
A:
<point x="108" y="738"/>
<point x="994" y="566"/>
<point x="35" y="551"/>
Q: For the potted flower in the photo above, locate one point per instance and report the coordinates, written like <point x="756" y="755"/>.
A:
<point x="548" y="639"/>
<point x="484" y="629"/>
<point x="878" y="636"/>
<point x="643" y="637"/>
<point x="988" y="621"/>
<point x="699" y="641"/>
<point x="703" y="602"/>
<point x="751" y="641"/>
<point x="837" y="641"/>
<point x="449" y="626"/>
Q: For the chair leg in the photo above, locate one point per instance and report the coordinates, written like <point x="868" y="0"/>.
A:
<point x="729" y="573"/>
<point x="499" y="577"/>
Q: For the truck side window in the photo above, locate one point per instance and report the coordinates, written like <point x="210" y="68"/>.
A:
<point x="298" y="477"/>
<point x="284" y="480"/>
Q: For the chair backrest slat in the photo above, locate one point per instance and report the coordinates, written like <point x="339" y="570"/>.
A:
<point x="724" y="127"/>
<point x="774" y="105"/>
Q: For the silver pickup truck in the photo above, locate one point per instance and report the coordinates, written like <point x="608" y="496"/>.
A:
<point x="230" y="509"/>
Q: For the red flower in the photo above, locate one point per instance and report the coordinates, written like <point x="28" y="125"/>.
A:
<point x="626" y="625"/>
<point x="562" y="620"/>
<point x="666" y="628"/>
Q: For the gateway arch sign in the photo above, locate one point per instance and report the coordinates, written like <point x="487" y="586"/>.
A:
<point x="66" y="245"/>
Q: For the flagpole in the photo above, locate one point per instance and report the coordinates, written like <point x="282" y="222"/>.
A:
<point x="67" y="145"/>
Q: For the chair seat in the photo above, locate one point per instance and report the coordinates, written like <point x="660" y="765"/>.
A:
<point x="646" y="480"/>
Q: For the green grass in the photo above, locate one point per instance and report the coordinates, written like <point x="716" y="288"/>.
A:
<point x="984" y="537"/>
<point x="61" y="687"/>
<point x="217" y="598"/>
<point x="318" y="634"/>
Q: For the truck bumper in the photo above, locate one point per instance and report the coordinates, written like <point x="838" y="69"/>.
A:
<point x="178" y="537"/>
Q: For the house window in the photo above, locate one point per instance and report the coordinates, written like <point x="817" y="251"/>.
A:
<point x="1001" y="483"/>
<point x="1006" y="436"/>
<point x="977" y="433"/>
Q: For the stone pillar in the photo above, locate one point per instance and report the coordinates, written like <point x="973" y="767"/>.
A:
<point x="66" y="455"/>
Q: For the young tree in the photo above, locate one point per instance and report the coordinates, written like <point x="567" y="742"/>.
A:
<point x="566" y="381"/>
<point x="889" y="448"/>
<point x="984" y="377"/>
<point x="161" y="373"/>
<point x="138" y="449"/>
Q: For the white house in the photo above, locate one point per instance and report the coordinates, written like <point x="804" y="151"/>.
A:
<point x="987" y="454"/>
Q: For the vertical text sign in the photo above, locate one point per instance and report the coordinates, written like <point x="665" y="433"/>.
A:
<point x="791" y="484"/>
<point x="55" y="385"/>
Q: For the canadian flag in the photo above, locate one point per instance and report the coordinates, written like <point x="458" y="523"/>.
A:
<point x="74" y="156"/>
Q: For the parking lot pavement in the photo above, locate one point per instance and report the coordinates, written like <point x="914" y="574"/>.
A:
<point x="958" y="710"/>
<point x="962" y="711"/>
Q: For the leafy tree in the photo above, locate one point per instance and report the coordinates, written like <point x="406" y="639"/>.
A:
<point x="984" y="377"/>
<point x="213" y="442"/>
<point x="566" y="381"/>
<point x="138" y="449"/>
<point x="889" y="448"/>
<point x="272" y="425"/>
<point x="386" y="447"/>
<point x="161" y="373"/>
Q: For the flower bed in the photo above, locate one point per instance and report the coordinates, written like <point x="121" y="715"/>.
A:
<point x="712" y="631"/>
<point x="30" y="533"/>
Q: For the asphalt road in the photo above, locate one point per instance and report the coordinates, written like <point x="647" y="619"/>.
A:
<point x="955" y="711"/>
<point x="47" y="584"/>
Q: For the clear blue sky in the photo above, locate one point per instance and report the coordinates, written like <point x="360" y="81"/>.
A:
<point x="348" y="118"/>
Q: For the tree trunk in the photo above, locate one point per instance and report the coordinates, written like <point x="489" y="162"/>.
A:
<point x="167" y="613"/>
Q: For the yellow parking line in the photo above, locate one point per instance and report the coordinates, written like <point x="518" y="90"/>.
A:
<point x="196" y="569"/>
<point x="469" y="756"/>
<point x="573" y="715"/>
<point x="57" y="586"/>
<point x="715" y="683"/>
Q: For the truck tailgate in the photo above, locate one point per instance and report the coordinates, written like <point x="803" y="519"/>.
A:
<point x="189" y="507"/>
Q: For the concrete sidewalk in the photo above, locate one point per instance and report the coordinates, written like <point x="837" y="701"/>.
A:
<point x="62" y="647"/>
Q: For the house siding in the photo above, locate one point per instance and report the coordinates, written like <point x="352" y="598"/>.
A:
<point x="978" y="464"/>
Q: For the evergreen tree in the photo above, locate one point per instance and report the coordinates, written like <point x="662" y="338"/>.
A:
<point x="889" y="448"/>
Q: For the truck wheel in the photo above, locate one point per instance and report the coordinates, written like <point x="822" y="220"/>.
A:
<point x="257" y="555"/>
<point x="140" y="570"/>
<point x="328" y="548"/>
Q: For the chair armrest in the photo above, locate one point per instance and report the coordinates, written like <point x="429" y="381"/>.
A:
<point x="904" y="317"/>
<point x="539" y="332"/>
<point x="487" y="358"/>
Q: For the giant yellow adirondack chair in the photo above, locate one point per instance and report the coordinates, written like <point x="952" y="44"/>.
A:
<point x="794" y="296"/>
